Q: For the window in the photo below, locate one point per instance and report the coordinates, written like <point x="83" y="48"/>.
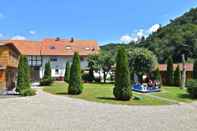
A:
<point x="87" y="48"/>
<point x="68" y="47"/>
<point x="51" y="47"/>
<point x="53" y="59"/>
<point x="34" y="61"/>
<point x="56" y="71"/>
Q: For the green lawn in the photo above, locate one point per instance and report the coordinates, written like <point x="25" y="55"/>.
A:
<point x="104" y="93"/>
<point x="174" y="93"/>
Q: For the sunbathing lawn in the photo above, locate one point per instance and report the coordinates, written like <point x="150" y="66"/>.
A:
<point x="104" y="93"/>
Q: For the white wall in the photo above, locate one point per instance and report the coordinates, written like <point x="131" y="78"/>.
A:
<point x="59" y="64"/>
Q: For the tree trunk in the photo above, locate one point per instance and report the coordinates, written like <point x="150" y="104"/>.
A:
<point x="104" y="76"/>
<point x="183" y="72"/>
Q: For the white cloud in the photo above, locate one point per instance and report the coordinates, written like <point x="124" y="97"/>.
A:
<point x="154" y="28"/>
<point x="18" y="37"/>
<point x="126" y="39"/>
<point x="138" y="34"/>
<point x="32" y="32"/>
<point x="133" y="37"/>
<point x="1" y="35"/>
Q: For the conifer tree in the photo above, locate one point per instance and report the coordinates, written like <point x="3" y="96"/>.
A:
<point x="23" y="81"/>
<point x="122" y="89"/>
<point x="67" y="72"/>
<point x="195" y="69"/>
<point x="177" y="76"/>
<point x="170" y="72"/>
<point x="75" y="85"/>
<point x="47" y="78"/>
<point x="157" y="75"/>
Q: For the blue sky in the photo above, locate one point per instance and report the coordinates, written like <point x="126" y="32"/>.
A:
<point x="102" y="20"/>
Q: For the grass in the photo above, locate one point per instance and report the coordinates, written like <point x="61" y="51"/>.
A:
<point x="104" y="93"/>
<point x="174" y="93"/>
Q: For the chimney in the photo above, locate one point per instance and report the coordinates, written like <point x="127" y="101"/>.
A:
<point x="71" y="39"/>
<point x="57" y="39"/>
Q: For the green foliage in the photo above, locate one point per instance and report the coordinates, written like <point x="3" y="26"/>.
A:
<point x="47" y="79"/>
<point x="94" y="65"/>
<point x="28" y="92"/>
<point x="23" y="81"/>
<point x="192" y="88"/>
<point x="175" y="39"/>
<point x="195" y="70"/>
<point x="47" y="71"/>
<point x="75" y="85"/>
<point x="122" y="89"/>
<point x="177" y="77"/>
<point x="85" y="77"/>
<point x="67" y="72"/>
<point x="102" y="62"/>
<point x="141" y="61"/>
<point x="106" y="61"/>
<point x="170" y="72"/>
<point x="157" y="75"/>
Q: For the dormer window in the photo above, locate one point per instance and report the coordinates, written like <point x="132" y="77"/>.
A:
<point x="87" y="48"/>
<point x="51" y="47"/>
<point x="68" y="47"/>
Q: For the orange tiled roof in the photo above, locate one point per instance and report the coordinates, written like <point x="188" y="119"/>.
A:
<point x="27" y="47"/>
<point x="189" y="67"/>
<point x="53" y="47"/>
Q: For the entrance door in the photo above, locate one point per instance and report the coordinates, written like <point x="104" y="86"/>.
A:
<point x="35" y="74"/>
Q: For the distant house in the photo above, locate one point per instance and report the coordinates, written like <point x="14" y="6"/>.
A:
<point x="57" y="52"/>
<point x="9" y="56"/>
<point x="163" y="69"/>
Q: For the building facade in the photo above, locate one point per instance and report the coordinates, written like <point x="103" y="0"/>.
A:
<point x="9" y="56"/>
<point x="57" y="52"/>
<point x="163" y="71"/>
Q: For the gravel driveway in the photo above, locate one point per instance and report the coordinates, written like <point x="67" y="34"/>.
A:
<point x="46" y="112"/>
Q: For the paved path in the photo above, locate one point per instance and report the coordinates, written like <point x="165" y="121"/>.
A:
<point x="46" y="112"/>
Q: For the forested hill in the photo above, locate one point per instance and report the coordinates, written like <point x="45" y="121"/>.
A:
<point x="177" y="38"/>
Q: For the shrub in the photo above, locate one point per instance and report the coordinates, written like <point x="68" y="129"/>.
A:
<point x="47" y="79"/>
<point x="67" y="72"/>
<point x="170" y="72"/>
<point x="23" y="81"/>
<point x="157" y="75"/>
<point x="192" y="88"/>
<point x="75" y="87"/>
<point x="28" y="92"/>
<point x="195" y="70"/>
<point x="122" y="89"/>
<point x="177" y="76"/>
<point x="85" y="77"/>
<point x="46" y="82"/>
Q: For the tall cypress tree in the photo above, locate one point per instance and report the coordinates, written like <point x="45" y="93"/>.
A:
<point x="170" y="72"/>
<point x="23" y="81"/>
<point x="195" y="69"/>
<point x="177" y="76"/>
<point x="157" y="75"/>
<point x="122" y="89"/>
<point x="47" y="78"/>
<point x="47" y="71"/>
<point x="75" y="85"/>
<point x="67" y="72"/>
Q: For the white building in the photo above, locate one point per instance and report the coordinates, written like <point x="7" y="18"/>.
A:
<point x="57" y="52"/>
